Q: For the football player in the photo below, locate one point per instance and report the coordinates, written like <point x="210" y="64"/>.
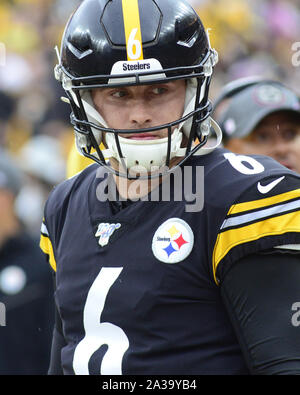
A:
<point x="145" y="284"/>
<point x="260" y="116"/>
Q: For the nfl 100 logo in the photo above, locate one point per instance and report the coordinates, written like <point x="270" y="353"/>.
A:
<point x="104" y="231"/>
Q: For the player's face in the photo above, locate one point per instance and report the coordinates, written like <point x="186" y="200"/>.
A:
<point x="278" y="136"/>
<point x="140" y="107"/>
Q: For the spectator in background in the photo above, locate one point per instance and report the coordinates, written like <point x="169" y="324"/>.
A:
<point x="260" y="117"/>
<point x="25" y="286"/>
<point x="40" y="155"/>
<point x="7" y="107"/>
<point x="43" y="163"/>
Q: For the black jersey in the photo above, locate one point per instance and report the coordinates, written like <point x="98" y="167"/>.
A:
<point x="138" y="288"/>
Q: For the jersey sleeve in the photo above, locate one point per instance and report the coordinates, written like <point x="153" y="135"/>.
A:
<point x="46" y="245"/>
<point x="258" y="222"/>
<point x="255" y="290"/>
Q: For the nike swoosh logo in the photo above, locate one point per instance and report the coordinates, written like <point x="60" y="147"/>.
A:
<point x="267" y="188"/>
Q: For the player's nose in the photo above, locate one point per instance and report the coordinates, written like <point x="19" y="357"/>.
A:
<point x="140" y="115"/>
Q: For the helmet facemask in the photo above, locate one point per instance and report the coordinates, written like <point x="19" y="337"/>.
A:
<point x="147" y="156"/>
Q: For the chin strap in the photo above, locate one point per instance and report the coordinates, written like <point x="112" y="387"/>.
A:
<point x="151" y="153"/>
<point x="145" y="153"/>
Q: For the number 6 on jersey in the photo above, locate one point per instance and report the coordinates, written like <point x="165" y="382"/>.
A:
<point x="98" y="333"/>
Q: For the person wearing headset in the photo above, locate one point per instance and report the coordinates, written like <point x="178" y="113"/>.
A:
<point x="260" y="116"/>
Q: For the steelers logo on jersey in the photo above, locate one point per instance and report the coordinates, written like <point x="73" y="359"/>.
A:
<point x="173" y="241"/>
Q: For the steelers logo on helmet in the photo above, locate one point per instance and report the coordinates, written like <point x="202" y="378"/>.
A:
<point x="173" y="241"/>
<point x="268" y="95"/>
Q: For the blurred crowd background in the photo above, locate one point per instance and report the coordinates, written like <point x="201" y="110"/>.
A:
<point x="253" y="37"/>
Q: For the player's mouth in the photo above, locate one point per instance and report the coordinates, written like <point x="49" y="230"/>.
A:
<point x="142" y="136"/>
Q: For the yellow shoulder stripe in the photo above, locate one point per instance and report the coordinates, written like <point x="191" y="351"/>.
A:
<point x="268" y="227"/>
<point x="46" y="247"/>
<point x="256" y="204"/>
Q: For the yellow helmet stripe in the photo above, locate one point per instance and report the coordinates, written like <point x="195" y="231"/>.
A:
<point x="131" y="16"/>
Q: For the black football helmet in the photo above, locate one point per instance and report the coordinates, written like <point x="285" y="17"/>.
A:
<point x="136" y="42"/>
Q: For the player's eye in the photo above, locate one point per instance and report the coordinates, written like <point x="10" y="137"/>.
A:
<point x="159" y="90"/>
<point x="119" y="93"/>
